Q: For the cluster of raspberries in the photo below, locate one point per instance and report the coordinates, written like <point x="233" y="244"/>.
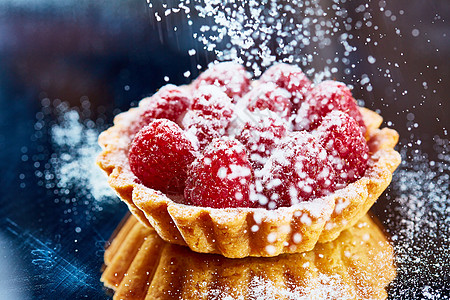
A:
<point x="228" y="141"/>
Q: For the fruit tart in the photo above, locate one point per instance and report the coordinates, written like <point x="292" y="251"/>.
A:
<point x="249" y="167"/>
<point x="146" y="267"/>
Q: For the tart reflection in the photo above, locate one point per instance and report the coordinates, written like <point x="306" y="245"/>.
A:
<point x="359" y="264"/>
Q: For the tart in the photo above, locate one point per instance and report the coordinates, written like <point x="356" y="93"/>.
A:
<point x="249" y="168"/>
<point x="346" y="268"/>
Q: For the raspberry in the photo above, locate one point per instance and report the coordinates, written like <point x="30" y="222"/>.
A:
<point x="290" y="78"/>
<point x="272" y="97"/>
<point x="324" y="98"/>
<point x="348" y="152"/>
<point x="170" y="102"/>
<point x="232" y="78"/>
<point x="201" y="129"/>
<point x="220" y="177"/>
<point x="211" y="101"/>
<point x="159" y="156"/>
<point x="261" y="138"/>
<point x="297" y="171"/>
<point x="209" y="116"/>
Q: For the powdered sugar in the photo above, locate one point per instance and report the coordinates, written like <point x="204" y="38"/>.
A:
<point x="324" y="287"/>
<point x="71" y="167"/>
<point x="258" y="34"/>
<point x="238" y="171"/>
<point x="230" y="77"/>
<point x="76" y="166"/>
<point x="419" y="221"/>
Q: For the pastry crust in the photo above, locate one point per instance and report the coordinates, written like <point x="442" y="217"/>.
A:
<point x="242" y="232"/>
<point x="347" y="268"/>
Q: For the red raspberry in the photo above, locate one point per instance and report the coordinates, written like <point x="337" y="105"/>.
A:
<point x="209" y="116"/>
<point x="348" y="152"/>
<point x="261" y="138"/>
<point x="231" y="77"/>
<point x="159" y="156"/>
<point x="324" y="98"/>
<point x="170" y="102"/>
<point x="220" y="177"/>
<point x="290" y="78"/>
<point x="211" y="101"/>
<point x="270" y="96"/>
<point x="297" y="171"/>
<point x="201" y="129"/>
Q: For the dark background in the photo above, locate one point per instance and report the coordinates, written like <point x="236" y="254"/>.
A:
<point x="111" y="53"/>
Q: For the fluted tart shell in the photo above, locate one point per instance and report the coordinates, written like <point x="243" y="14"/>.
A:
<point x="140" y="265"/>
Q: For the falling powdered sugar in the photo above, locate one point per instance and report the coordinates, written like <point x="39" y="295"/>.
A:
<point x="259" y="33"/>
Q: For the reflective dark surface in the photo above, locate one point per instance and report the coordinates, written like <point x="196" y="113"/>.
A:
<point x="106" y="55"/>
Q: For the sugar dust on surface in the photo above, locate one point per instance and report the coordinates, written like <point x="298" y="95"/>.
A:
<point x="68" y="170"/>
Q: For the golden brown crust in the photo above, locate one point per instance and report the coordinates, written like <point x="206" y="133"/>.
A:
<point x="124" y="255"/>
<point x="116" y="240"/>
<point x="347" y="268"/>
<point x="372" y="120"/>
<point x="136" y="278"/>
<point x="241" y="232"/>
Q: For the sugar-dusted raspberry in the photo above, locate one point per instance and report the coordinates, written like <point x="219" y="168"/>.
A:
<point x="325" y="97"/>
<point x="231" y="77"/>
<point x="201" y="129"/>
<point x="159" y="156"/>
<point x="260" y="138"/>
<point x="220" y="177"/>
<point x="290" y="78"/>
<point x="347" y="149"/>
<point x="269" y="96"/>
<point x="211" y="101"/>
<point x="170" y="102"/>
<point x="210" y="114"/>
<point x="298" y="170"/>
